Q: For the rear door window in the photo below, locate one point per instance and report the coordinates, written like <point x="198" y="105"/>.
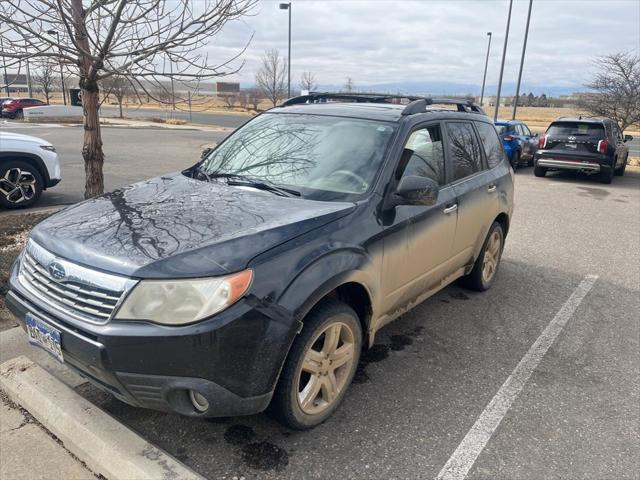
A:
<point x="575" y="129"/>
<point x="491" y="143"/>
<point x="464" y="149"/>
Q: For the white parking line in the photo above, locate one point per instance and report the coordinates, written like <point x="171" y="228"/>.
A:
<point x="459" y="464"/>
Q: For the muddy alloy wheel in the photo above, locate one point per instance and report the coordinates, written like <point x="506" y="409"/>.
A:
<point x="320" y="366"/>
<point x="491" y="256"/>
<point x="20" y="185"/>
<point x="325" y="368"/>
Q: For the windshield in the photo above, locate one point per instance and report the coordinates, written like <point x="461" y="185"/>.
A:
<point x="586" y="129"/>
<point x="323" y="157"/>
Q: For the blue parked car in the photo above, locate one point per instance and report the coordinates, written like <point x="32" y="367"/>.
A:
<point x="519" y="143"/>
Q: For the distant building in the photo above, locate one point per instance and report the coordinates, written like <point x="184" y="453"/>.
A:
<point x="17" y="82"/>
<point x="227" y="88"/>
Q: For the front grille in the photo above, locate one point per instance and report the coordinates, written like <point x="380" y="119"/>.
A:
<point x="78" y="294"/>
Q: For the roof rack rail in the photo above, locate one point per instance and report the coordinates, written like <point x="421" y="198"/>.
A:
<point x="417" y="104"/>
<point x="420" y="105"/>
<point x="322" y="97"/>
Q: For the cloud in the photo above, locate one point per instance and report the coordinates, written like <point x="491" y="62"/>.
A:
<point x="434" y="40"/>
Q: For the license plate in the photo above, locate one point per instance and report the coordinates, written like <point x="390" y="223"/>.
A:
<point x="571" y="146"/>
<point x="44" y="336"/>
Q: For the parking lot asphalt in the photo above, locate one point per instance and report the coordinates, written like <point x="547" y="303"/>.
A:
<point x="433" y="372"/>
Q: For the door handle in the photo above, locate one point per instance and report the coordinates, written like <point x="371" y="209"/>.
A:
<point x="450" y="209"/>
<point x="492" y="189"/>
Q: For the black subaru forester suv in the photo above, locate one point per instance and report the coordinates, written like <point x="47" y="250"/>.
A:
<point x="595" y="146"/>
<point x="254" y="278"/>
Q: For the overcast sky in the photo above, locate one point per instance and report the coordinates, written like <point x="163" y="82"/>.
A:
<point x="375" y="41"/>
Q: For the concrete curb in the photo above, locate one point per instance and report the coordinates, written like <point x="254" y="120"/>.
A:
<point x="104" y="444"/>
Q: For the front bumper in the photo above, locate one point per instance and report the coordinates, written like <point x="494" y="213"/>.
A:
<point x="233" y="359"/>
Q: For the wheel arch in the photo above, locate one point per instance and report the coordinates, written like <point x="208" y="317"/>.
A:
<point x="31" y="159"/>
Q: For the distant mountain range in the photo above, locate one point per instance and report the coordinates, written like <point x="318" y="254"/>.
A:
<point x="449" y="88"/>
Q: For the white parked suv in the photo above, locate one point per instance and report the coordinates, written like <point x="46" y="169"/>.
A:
<point x="28" y="165"/>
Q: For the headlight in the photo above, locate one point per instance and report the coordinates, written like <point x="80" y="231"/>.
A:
<point x="176" y="302"/>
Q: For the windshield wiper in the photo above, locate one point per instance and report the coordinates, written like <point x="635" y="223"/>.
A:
<point x="242" y="181"/>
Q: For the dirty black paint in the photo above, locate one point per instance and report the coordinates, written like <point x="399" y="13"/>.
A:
<point x="239" y="435"/>
<point x="264" y="456"/>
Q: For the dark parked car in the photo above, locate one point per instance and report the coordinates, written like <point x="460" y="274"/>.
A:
<point x="519" y="143"/>
<point x="13" y="108"/>
<point x="255" y="277"/>
<point x="589" y="145"/>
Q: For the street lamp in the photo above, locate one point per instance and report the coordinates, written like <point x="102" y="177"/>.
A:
<point x="524" y="49"/>
<point x="287" y="6"/>
<point x="504" y="54"/>
<point x="486" y="64"/>
<point x="64" y="95"/>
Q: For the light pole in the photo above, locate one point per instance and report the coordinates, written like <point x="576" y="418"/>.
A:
<point x="4" y="67"/>
<point x="486" y="64"/>
<point x="64" y="95"/>
<point x="287" y="6"/>
<point x="504" y="54"/>
<point x="524" y="49"/>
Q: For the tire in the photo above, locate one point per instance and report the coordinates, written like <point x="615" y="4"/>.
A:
<point x="606" y="176"/>
<point x="20" y="184"/>
<point x="515" y="160"/>
<point x="539" y="171"/>
<point x="19" y="115"/>
<point x="530" y="162"/>
<point x="289" y="404"/>
<point x="478" y="279"/>
<point x="620" y="172"/>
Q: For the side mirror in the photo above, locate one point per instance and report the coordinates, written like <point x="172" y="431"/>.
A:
<point x="415" y="190"/>
<point x="628" y="138"/>
<point x="535" y="135"/>
<point x="205" y="152"/>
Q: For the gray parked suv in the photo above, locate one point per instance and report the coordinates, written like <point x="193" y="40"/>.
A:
<point x="255" y="278"/>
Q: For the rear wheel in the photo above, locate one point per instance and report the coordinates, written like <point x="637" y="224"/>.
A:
<point x="19" y="115"/>
<point x="515" y="160"/>
<point x="606" y="176"/>
<point x="320" y="366"/>
<point x="539" y="171"/>
<point x="484" y="270"/>
<point x="20" y="184"/>
<point x="620" y="171"/>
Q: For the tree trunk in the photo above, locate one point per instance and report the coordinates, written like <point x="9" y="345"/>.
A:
<point x="120" y="106"/>
<point x="92" y="147"/>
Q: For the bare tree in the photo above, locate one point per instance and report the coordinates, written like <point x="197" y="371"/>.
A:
<point x="120" y="87"/>
<point x="230" y="100"/>
<point x="271" y="79"/>
<point x="254" y="97"/>
<point x="308" y="81"/>
<point x="46" y="78"/>
<point x="349" y="86"/>
<point x="617" y="89"/>
<point x="148" y="41"/>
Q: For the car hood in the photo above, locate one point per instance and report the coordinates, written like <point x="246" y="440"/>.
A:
<point x="18" y="137"/>
<point x="177" y="227"/>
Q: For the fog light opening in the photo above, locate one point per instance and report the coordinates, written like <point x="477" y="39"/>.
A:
<point x="198" y="401"/>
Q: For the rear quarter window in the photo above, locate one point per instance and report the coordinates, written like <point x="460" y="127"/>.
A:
<point x="583" y="129"/>
<point x="491" y="143"/>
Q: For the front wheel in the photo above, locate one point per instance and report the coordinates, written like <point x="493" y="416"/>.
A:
<point x="320" y="366"/>
<point x="20" y="184"/>
<point x="484" y="270"/>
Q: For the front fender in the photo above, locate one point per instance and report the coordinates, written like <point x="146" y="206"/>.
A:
<point x="325" y="274"/>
